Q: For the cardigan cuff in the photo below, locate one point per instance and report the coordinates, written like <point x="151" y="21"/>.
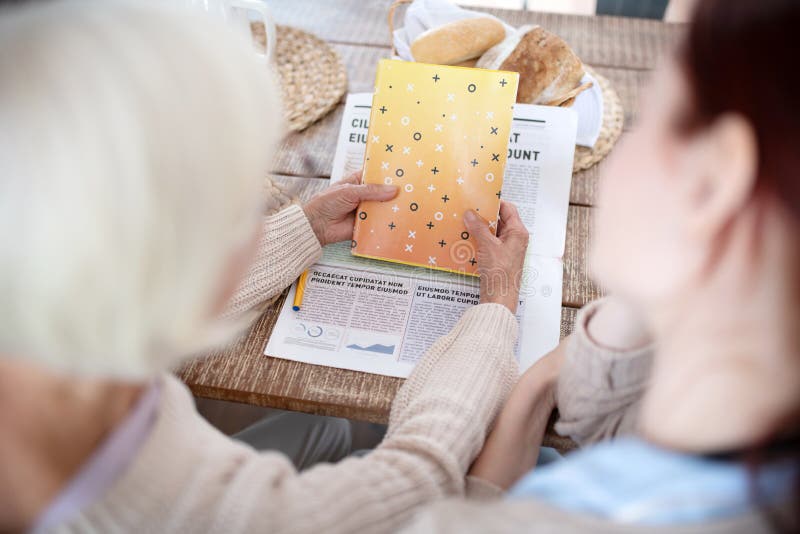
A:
<point x="489" y="320"/>
<point x="288" y="246"/>
<point x="602" y="367"/>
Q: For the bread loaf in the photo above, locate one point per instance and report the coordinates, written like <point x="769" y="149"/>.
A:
<point x="468" y="63"/>
<point x="549" y="71"/>
<point x="458" y="41"/>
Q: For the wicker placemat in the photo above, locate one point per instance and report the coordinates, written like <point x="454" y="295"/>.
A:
<point x="276" y="198"/>
<point x="610" y="131"/>
<point x="313" y="77"/>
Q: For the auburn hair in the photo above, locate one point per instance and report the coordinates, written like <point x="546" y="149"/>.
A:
<point x="741" y="56"/>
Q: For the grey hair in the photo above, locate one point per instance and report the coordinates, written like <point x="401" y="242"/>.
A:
<point x="133" y="141"/>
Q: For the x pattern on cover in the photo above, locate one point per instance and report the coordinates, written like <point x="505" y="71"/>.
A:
<point x="441" y="135"/>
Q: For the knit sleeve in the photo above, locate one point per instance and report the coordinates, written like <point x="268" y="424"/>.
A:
<point x="505" y="516"/>
<point x="438" y="423"/>
<point x="188" y="477"/>
<point x="286" y="248"/>
<point x="599" y="389"/>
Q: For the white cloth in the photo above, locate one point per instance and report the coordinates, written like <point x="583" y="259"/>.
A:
<point x="589" y="106"/>
<point x="423" y="15"/>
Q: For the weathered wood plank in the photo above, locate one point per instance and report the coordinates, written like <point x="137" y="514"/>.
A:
<point x="578" y="287"/>
<point x="601" y="41"/>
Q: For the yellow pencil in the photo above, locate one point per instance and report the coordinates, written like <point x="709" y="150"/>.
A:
<point x="301" y="289"/>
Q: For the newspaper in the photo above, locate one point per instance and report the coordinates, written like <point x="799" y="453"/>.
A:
<point x="380" y="317"/>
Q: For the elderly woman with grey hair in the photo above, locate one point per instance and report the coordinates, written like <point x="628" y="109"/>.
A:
<point x="133" y="139"/>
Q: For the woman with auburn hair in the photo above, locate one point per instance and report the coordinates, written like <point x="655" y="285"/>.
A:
<point x="693" y="366"/>
<point x="133" y="142"/>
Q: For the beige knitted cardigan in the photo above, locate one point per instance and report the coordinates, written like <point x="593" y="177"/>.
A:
<point x="188" y="477"/>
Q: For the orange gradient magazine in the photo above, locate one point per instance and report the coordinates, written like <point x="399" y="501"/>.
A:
<point x="441" y="135"/>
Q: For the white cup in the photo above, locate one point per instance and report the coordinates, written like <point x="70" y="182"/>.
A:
<point x="238" y="14"/>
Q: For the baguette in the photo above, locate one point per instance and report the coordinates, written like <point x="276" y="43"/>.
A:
<point x="457" y="41"/>
<point x="468" y="63"/>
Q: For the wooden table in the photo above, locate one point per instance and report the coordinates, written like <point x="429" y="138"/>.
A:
<point x="623" y="50"/>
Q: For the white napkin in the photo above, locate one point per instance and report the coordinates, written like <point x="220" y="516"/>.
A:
<point x="589" y="106"/>
<point x="423" y="15"/>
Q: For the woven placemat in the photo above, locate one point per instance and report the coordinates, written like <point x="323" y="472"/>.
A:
<point x="613" y="116"/>
<point x="313" y="77"/>
<point x="276" y="198"/>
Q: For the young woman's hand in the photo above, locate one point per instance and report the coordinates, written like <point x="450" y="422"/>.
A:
<point x="501" y="257"/>
<point x="512" y="448"/>
<point x="332" y="212"/>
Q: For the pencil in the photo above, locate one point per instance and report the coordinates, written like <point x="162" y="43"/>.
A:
<point x="301" y="289"/>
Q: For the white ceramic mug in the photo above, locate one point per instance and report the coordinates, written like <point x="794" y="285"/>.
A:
<point x="238" y="13"/>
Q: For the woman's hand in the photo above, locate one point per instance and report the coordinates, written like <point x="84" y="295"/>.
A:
<point x="513" y="445"/>
<point x="500" y="258"/>
<point x="331" y="213"/>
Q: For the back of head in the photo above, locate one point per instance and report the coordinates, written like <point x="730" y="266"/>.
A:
<point x="740" y="57"/>
<point x="133" y="140"/>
